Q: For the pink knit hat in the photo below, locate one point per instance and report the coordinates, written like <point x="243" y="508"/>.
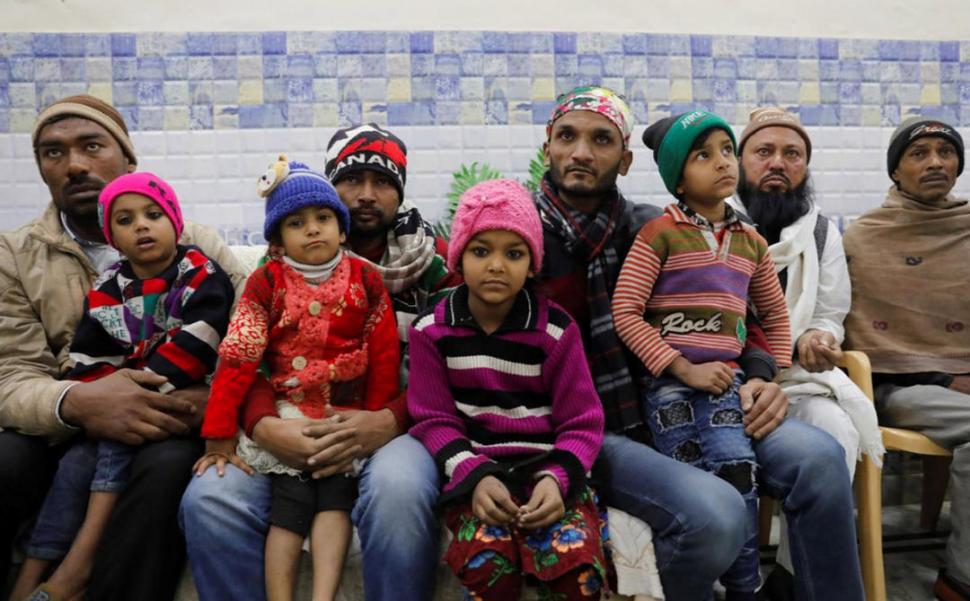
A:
<point x="498" y="204"/>
<point x="146" y="184"/>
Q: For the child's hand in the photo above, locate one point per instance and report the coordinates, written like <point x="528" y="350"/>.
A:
<point x="218" y="452"/>
<point x="714" y="377"/>
<point x="544" y="508"/>
<point x="492" y="503"/>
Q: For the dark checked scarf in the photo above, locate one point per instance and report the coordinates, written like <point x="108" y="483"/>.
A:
<point x="590" y="239"/>
<point x="411" y="270"/>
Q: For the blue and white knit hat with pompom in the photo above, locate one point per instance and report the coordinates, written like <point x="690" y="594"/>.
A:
<point x="289" y="186"/>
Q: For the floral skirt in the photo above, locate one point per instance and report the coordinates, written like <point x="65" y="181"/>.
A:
<point x="576" y="540"/>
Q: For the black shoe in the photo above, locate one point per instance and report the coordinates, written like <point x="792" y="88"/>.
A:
<point x="947" y="589"/>
<point x="779" y="586"/>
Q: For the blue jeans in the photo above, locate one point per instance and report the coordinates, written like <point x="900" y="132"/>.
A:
<point x="225" y="521"/>
<point x="698" y="519"/>
<point x="706" y="431"/>
<point x="88" y="466"/>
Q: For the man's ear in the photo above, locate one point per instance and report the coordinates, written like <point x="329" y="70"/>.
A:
<point x="625" y="161"/>
<point x="545" y="154"/>
<point x="895" y="177"/>
<point x="129" y="166"/>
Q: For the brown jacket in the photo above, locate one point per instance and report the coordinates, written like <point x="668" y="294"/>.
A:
<point x="44" y="277"/>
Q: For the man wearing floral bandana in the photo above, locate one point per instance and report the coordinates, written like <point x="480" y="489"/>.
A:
<point x="697" y="518"/>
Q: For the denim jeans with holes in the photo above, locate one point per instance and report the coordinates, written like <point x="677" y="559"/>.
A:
<point x="707" y="431"/>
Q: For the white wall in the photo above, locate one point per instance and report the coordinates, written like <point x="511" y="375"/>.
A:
<point x="214" y="172"/>
<point x="890" y="19"/>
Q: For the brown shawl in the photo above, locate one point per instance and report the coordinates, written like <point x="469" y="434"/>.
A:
<point x="910" y="268"/>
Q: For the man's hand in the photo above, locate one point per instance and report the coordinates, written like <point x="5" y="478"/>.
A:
<point x="818" y="351"/>
<point x="492" y="503"/>
<point x="288" y="441"/>
<point x="198" y="395"/>
<point x="371" y="430"/>
<point x="122" y="407"/>
<point x="545" y="506"/>
<point x="765" y="406"/>
<point x="961" y="384"/>
<point x="714" y="377"/>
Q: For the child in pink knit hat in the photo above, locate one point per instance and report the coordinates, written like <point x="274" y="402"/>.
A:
<point x="162" y="309"/>
<point x="502" y="397"/>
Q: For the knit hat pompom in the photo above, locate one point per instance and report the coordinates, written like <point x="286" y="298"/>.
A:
<point x="289" y="186"/>
<point x="672" y="138"/>
<point x="143" y="183"/>
<point x="498" y="204"/>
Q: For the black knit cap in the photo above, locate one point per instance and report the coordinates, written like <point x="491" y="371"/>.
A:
<point x="367" y="147"/>
<point x="654" y="135"/>
<point x="920" y="127"/>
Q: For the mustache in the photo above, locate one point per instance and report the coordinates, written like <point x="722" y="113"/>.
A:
<point x="83" y="183"/>
<point x="775" y="174"/>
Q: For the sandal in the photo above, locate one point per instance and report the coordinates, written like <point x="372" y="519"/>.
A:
<point x="46" y="592"/>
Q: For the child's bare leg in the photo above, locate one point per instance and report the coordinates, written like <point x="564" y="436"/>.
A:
<point x="283" y="549"/>
<point x="329" y="540"/>
<point x="31" y="574"/>
<point x="71" y="577"/>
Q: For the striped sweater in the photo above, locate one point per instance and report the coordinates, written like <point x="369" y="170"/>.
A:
<point x="683" y="291"/>
<point x="517" y="404"/>
<point x="170" y="324"/>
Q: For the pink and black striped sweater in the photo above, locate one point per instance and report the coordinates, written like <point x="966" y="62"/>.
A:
<point x="517" y="404"/>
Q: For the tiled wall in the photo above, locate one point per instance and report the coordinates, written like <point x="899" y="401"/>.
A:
<point x="209" y="110"/>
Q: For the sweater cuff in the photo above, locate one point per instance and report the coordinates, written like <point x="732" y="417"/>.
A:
<point x="259" y="403"/>
<point x="466" y="487"/>
<point x="399" y="407"/>
<point x="57" y="407"/>
<point x="758" y="364"/>
<point x="573" y="478"/>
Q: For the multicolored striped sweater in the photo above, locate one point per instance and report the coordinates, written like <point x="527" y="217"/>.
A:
<point x="516" y="404"/>
<point x="170" y="324"/>
<point x="684" y="290"/>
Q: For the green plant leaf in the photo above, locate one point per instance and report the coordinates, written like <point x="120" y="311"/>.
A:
<point x="537" y="169"/>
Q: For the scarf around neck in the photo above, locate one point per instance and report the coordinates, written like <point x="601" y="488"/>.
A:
<point x="589" y="239"/>
<point x="910" y="269"/>
<point x="797" y="251"/>
<point x="409" y="260"/>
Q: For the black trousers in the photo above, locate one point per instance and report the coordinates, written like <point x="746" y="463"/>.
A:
<point x="143" y="552"/>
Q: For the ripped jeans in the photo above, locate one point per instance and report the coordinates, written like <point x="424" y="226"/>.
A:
<point x="707" y="432"/>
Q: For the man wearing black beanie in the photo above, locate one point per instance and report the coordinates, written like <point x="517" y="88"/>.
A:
<point x="910" y="282"/>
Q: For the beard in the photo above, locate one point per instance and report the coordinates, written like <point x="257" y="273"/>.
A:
<point x="775" y="210"/>
<point x="605" y="182"/>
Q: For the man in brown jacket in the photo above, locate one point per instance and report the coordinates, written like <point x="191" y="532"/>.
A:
<point x="46" y="268"/>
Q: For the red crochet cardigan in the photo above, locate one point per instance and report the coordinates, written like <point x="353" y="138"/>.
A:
<point x="335" y="343"/>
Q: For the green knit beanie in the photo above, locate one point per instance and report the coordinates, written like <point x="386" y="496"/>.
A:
<point x="671" y="140"/>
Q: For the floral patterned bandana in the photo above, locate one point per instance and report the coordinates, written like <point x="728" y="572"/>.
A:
<point x="600" y="100"/>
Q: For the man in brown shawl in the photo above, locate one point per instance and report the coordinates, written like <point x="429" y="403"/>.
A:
<point x="909" y="263"/>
